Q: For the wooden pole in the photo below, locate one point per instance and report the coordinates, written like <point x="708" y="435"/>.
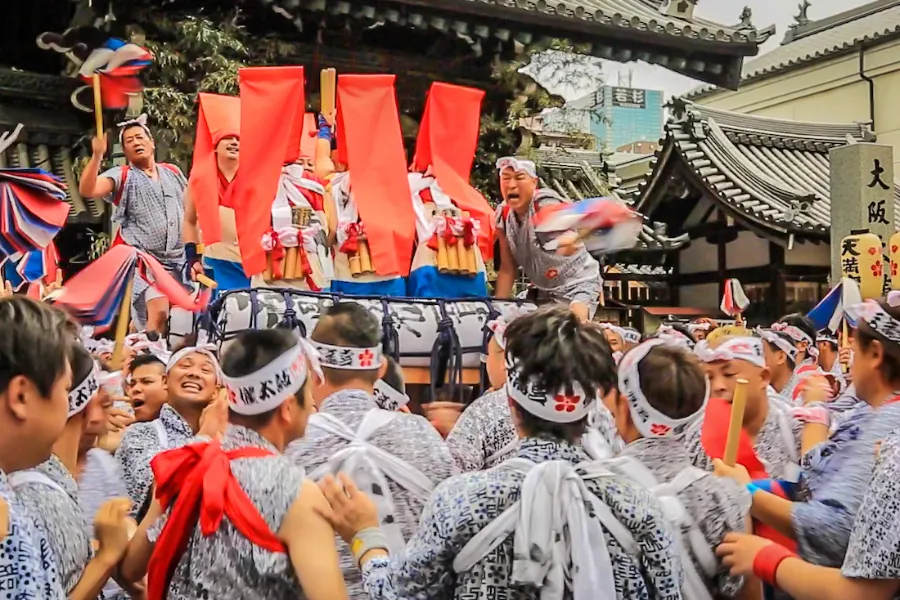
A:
<point x="204" y="280"/>
<point x="738" y="404"/>
<point x="845" y="341"/>
<point x="98" y="106"/>
<point x="118" y="357"/>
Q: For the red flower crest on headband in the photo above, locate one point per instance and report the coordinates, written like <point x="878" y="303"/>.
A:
<point x="659" y="429"/>
<point x="566" y="403"/>
<point x="365" y="358"/>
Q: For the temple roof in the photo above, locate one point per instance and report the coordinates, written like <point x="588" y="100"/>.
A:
<point x="808" y="41"/>
<point x="653" y="31"/>
<point x="579" y="174"/>
<point x="772" y="173"/>
<point x="51" y="129"/>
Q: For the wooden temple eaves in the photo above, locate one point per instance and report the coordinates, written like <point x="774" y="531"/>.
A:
<point x="621" y="30"/>
<point x="52" y="129"/>
<point x="770" y="175"/>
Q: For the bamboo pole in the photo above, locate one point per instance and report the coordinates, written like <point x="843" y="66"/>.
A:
<point x="736" y="424"/>
<point x="204" y="280"/>
<point x="365" y="257"/>
<point x="461" y="254"/>
<point x="118" y="355"/>
<point x="452" y="256"/>
<point x="845" y="342"/>
<point x="98" y="106"/>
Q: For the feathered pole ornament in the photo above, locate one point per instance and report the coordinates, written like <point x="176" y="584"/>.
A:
<point x="734" y="301"/>
<point x="32" y="206"/>
<point x="103" y="289"/>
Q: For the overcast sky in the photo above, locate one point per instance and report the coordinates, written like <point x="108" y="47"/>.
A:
<point x="765" y="12"/>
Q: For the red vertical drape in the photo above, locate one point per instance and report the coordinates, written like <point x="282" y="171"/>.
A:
<point x="371" y="143"/>
<point x="448" y="138"/>
<point x="272" y="102"/>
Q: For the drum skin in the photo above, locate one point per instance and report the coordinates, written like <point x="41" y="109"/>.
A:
<point x="415" y="321"/>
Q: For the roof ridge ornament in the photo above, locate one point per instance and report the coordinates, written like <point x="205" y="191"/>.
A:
<point x="679" y="9"/>
<point x="802" y="18"/>
<point x="746" y="19"/>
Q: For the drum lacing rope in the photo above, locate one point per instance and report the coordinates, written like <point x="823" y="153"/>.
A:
<point x="289" y="319"/>
<point x="390" y="336"/>
<point x="446" y="355"/>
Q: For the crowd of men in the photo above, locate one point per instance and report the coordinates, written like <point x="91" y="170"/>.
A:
<point x="282" y="465"/>
<point x="269" y="471"/>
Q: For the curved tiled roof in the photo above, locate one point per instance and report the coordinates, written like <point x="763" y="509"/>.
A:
<point x="819" y="39"/>
<point x="621" y="30"/>
<point x="774" y="172"/>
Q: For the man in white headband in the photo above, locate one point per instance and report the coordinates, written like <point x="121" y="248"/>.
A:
<point x="802" y="334"/>
<point x="192" y="378"/>
<point x="34" y="378"/>
<point x="827" y="344"/>
<point x="662" y="391"/>
<point x="269" y="533"/>
<point x="484" y="435"/>
<point x="49" y="495"/>
<point x="149" y="209"/>
<point x="397" y="458"/>
<point x="573" y="279"/>
<point x="533" y="522"/>
<point x="772" y="443"/>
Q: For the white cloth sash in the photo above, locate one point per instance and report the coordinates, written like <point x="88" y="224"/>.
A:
<point x="792" y="470"/>
<point x="694" y="586"/>
<point x="20" y="478"/>
<point x="552" y="530"/>
<point x="371" y="466"/>
<point x="161" y="434"/>
<point x="510" y="447"/>
<point x="344" y="206"/>
<point x="425" y="225"/>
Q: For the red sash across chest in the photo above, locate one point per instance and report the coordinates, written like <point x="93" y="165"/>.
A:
<point x="714" y="437"/>
<point x="197" y="482"/>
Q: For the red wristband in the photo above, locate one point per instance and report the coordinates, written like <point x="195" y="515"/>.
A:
<point x="765" y="565"/>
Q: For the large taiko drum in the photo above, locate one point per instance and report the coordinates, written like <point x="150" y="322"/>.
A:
<point x="416" y="331"/>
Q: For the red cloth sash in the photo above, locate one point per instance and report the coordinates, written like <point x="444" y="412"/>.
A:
<point x="714" y="436"/>
<point x="199" y="481"/>
<point x="224" y="185"/>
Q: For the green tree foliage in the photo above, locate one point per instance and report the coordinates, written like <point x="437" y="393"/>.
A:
<point x="192" y="54"/>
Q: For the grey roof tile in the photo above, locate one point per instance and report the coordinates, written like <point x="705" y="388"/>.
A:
<point x="773" y="171"/>
<point x="622" y="30"/>
<point x="819" y="39"/>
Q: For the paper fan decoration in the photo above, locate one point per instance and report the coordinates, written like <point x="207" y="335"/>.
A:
<point x="604" y="224"/>
<point x="32" y="206"/>
<point x="734" y="300"/>
<point x="40" y="265"/>
<point x="94" y="295"/>
<point x="829" y="312"/>
<point x="118" y="63"/>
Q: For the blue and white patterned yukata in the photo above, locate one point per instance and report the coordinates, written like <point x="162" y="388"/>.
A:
<point x="27" y="568"/>
<point x="837" y="475"/>
<point x="465" y="504"/>
<point x="141" y="442"/>
<point x="150" y="215"/>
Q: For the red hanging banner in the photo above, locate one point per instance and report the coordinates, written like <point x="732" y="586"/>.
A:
<point x="371" y="143"/>
<point x="272" y="100"/>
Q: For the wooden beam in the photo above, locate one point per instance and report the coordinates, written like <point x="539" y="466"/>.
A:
<point x="422" y="376"/>
<point x="777" y="288"/>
